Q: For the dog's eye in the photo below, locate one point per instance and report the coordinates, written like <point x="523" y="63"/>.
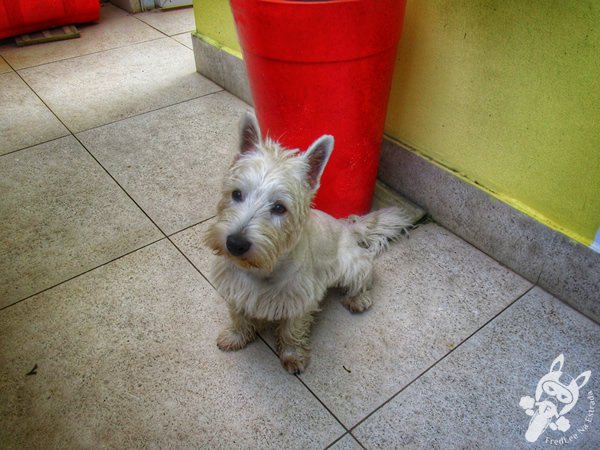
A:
<point x="237" y="195"/>
<point x="278" y="209"/>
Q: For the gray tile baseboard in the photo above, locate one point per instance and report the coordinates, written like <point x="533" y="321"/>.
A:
<point x="132" y="6"/>
<point x="225" y="69"/>
<point x="566" y="269"/>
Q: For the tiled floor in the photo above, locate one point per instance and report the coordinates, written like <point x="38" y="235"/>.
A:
<point x="111" y="151"/>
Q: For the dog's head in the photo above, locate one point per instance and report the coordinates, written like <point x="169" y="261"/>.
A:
<point x="266" y="198"/>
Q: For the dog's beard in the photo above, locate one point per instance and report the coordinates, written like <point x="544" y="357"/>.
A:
<point x="265" y="251"/>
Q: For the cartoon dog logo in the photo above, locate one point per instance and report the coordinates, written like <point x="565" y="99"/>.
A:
<point x="555" y="395"/>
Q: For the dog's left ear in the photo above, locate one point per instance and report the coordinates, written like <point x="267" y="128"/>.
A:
<point x="317" y="156"/>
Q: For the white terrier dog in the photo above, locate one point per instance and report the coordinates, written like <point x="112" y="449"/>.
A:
<point x="278" y="256"/>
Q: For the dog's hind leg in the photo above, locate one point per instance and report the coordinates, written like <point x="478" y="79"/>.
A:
<point x="293" y="343"/>
<point x="357" y="279"/>
<point x="238" y="334"/>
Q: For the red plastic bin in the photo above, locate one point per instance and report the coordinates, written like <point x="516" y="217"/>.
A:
<point x="324" y="67"/>
<point x="24" y="16"/>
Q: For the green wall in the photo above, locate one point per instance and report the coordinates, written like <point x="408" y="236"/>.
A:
<point x="505" y="94"/>
<point x="214" y="24"/>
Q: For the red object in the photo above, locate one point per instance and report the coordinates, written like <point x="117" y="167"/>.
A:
<point x="324" y="67"/>
<point x="24" y="16"/>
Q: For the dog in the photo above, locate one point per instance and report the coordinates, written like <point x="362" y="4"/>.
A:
<point x="278" y="256"/>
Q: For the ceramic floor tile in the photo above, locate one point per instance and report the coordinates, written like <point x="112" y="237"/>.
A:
<point x="125" y="357"/>
<point x="4" y="67"/>
<point x="190" y="242"/>
<point x="61" y="215"/>
<point x="171" y="161"/>
<point x="24" y="119"/>
<point x="93" y="90"/>
<point x="170" y="21"/>
<point x="185" y="39"/>
<point x="472" y="398"/>
<point x="116" y="28"/>
<point x="346" y="443"/>
<point x="431" y="292"/>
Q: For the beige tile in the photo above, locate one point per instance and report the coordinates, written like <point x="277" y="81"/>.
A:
<point x="346" y="443"/>
<point x="116" y="28"/>
<point x="24" y="119"/>
<point x="171" y="161"/>
<point x="189" y="241"/>
<point x="93" y="90"/>
<point x="431" y="292"/>
<point x="170" y="21"/>
<point x="61" y="215"/>
<point x="471" y="399"/>
<point x="126" y="357"/>
<point x="4" y="67"/>
<point x="185" y="39"/>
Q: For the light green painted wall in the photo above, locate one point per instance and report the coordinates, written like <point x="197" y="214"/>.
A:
<point x="214" y="24"/>
<point x="505" y="94"/>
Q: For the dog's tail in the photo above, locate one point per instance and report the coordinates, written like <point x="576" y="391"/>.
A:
<point x="377" y="229"/>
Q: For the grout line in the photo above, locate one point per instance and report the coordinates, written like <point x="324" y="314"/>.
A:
<point x="88" y="54"/>
<point x="151" y="111"/>
<point x="179" y="42"/>
<point x="441" y="359"/>
<point x="7" y="63"/>
<point x="322" y="403"/>
<point x="121" y="187"/>
<point x="159" y="30"/>
<point x="342" y="437"/>
<point x="72" y="132"/>
<point x="68" y="134"/>
<point x="474" y="247"/>
<point x="191" y="226"/>
<point x="190" y="261"/>
<point x="147" y="24"/>
<point x="46" y="105"/>
<point x="534" y="283"/>
<point x="92" y="155"/>
<point x="183" y="253"/>
<point x="356" y="439"/>
<point x="309" y="390"/>
<point x="81" y="274"/>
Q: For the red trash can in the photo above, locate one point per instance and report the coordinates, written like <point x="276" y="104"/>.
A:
<point x="324" y="67"/>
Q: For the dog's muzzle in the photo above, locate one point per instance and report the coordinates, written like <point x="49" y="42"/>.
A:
<point x="237" y="245"/>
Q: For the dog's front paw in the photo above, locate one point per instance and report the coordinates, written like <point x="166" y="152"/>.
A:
<point x="359" y="303"/>
<point x="230" y="340"/>
<point x="295" y="361"/>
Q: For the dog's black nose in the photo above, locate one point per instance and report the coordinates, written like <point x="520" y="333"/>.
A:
<point x="237" y="244"/>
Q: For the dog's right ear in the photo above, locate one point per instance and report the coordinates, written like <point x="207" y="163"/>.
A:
<point x="317" y="156"/>
<point x="250" y="133"/>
